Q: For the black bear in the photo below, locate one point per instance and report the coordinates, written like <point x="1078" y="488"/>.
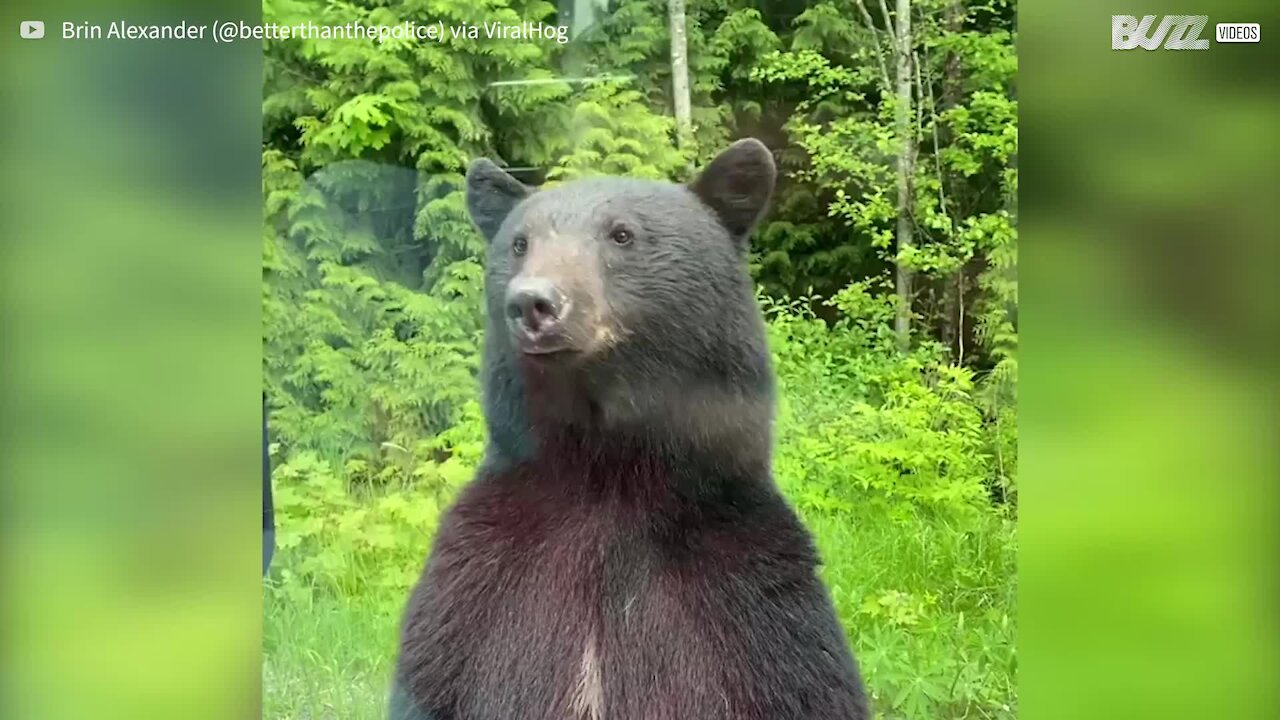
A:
<point x="623" y="552"/>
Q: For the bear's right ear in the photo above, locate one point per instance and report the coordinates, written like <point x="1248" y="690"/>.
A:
<point x="491" y="195"/>
<point x="737" y="185"/>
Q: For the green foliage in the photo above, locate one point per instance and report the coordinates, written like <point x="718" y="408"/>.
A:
<point x="904" y="434"/>
<point x="842" y="198"/>
<point x="615" y="133"/>
<point x="359" y="529"/>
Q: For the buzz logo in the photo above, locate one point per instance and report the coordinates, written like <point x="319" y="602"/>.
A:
<point x="1175" y="32"/>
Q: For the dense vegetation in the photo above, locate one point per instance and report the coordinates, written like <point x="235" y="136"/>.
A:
<point x="899" y="450"/>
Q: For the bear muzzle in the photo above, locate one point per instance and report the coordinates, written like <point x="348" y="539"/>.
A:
<point x="540" y="317"/>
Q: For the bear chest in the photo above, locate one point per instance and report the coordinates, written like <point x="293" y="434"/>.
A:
<point x="589" y="623"/>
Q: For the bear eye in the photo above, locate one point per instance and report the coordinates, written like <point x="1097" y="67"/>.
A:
<point x="621" y="236"/>
<point x="520" y="245"/>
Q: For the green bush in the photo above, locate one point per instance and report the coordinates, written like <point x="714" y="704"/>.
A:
<point x="863" y="423"/>
<point x="348" y="531"/>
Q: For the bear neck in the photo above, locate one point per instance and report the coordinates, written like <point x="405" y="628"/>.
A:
<point x="647" y="475"/>
<point x="686" y="435"/>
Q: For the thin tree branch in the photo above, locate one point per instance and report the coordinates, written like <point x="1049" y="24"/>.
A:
<point x="960" y="302"/>
<point x="933" y="124"/>
<point x="907" y="138"/>
<point x="875" y="35"/>
<point x="884" y="10"/>
<point x="915" y="59"/>
<point x="937" y="146"/>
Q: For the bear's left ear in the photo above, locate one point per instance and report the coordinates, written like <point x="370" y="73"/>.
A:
<point x="737" y="185"/>
<point x="491" y="195"/>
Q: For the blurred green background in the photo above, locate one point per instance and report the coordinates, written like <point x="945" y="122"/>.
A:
<point x="131" y="370"/>
<point x="1147" y="568"/>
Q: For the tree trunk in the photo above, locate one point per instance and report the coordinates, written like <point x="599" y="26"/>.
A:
<point x="906" y="167"/>
<point x="680" y="73"/>
<point x="952" y="93"/>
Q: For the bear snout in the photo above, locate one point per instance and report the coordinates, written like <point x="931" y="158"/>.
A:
<point x="535" y="303"/>
<point x="536" y="312"/>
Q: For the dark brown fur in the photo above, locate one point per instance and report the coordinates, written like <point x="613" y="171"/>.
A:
<point x="623" y="553"/>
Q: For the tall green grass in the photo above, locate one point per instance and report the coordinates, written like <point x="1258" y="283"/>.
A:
<point x="928" y="607"/>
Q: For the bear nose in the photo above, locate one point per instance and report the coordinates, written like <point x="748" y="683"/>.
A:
<point x="535" y="304"/>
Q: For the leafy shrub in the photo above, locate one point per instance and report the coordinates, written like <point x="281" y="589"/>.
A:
<point x="345" y="531"/>
<point x="862" y="423"/>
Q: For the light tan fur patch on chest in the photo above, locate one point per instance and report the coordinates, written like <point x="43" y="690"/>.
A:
<point x="588" y="697"/>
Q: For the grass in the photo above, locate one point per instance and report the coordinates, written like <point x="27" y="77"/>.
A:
<point x="928" y="605"/>
<point x="929" y="609"/>
<point x="328" y="657"/>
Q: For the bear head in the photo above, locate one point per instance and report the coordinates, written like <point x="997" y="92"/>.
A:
<point x="624" y="307"/>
